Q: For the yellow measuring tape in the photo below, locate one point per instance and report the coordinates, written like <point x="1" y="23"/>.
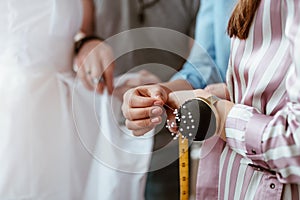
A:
<point x="184" y="167"/>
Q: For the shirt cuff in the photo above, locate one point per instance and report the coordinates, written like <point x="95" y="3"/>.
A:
<point x="244" y="130"/>
<point x="253" y="138"/>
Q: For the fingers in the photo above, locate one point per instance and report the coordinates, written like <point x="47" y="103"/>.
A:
<point x="141" y="102"/>
<point x="142" y="109"/>
<point x="84" y="79"/>
<point x="176" y="99"/>
<point x="218" y="89"/>
<point x="100" y="87"/>
<point x="106" y="61"/>
<point x="133" y="98"/>
<point x="155" y="92"/>
<point x="143" y="113"/>
<point x="108" y="78"/>
<point x="96" y="60"/>
<point x="142" y="120"/>
<point x="140" y="127"/>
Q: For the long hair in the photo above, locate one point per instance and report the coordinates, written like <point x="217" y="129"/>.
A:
<point x="242" y="17"/>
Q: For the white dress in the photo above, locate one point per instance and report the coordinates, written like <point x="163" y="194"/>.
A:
<point x="54" y="142"/>
<point x="41" y="157"/>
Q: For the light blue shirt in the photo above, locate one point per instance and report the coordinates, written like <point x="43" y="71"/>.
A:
<point x="208" y="60"/>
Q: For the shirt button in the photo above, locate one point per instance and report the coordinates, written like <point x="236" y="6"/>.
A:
<point x="258" y="169"/>
<point x="253" y="151"/>
<point x="272" y="185"/>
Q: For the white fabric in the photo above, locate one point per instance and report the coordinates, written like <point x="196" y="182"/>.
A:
<point x="40" y="154"/>
<point x="49" y="123"/>
<point x="121" y="160"/>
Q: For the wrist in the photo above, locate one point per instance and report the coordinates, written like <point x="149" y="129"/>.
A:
<point x="223" y="108"/>
<point x="79" y="43"/>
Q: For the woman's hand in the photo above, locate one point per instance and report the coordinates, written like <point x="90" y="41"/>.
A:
<point x="142" y="77"/>
<point x="218" y="89"/>
<point x="222" y="107"/>
<point x="143" y="107"/>
<point x="95" y="62"/>
<point x="176" y="99"/>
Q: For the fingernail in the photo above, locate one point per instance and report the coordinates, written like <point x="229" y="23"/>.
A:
<point x="156" y="111"/>
<point x="155" y="120"/>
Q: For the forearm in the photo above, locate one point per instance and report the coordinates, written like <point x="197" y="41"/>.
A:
<point x="87" y="26"/>
<point x="176" y="85"/>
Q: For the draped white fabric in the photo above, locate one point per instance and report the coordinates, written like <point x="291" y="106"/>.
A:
<point x="50" y="146"/>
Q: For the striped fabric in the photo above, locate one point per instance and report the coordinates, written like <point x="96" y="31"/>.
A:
<point x="261" y="159"/>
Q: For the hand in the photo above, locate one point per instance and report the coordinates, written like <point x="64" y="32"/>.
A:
<point x="176" y="99"/>
<point x="142" y="77"/>
<point x="143" y="107"/>
<point x="219" y="89"/>
<point x="95" y="60"/>
<point x="222" y="107"/>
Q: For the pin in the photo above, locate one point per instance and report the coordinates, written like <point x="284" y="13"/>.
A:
<point x="171" y="108"/>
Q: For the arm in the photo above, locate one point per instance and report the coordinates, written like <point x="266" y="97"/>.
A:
<point x="142" y="106"/>
<point x="198" y="71"/>
<point x="203" y="66"/>
<point x="95" y="59"/>
<point x="272" y="142"/>
<point x="88" y="21"/>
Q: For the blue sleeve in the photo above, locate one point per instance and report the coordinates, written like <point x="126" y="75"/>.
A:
<point x="199" y="69"/>
<point x="206" y="63"/>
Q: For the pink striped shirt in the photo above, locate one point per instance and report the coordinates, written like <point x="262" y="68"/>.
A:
<point x="261" y="159"/>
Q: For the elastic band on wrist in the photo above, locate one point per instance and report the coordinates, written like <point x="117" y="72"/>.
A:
<point x="78" y="44"/>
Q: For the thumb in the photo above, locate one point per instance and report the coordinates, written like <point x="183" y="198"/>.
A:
<point x="155" y="92"/>
<point x="160" y="95"/>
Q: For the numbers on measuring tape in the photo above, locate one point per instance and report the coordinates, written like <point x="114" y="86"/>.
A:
<point x="184" y="168"/>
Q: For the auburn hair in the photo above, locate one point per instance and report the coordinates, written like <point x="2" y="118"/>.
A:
<point x="241" y="19"/>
